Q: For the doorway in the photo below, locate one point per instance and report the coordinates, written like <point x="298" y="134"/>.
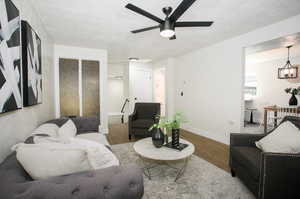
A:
<point x="264" y="92"/>
<point x="142" y="85"/>
<point x="159" y="81"/>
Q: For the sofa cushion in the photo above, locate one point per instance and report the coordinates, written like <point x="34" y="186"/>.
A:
<point x="249" y="158"/>
<point x="46" y="160"/>
<point x="47" y="129"/>
<point x="142" y="123"/>
<point x="68" y="130"/>
<point x="284" y="139"/>
<point x="59" y="122"/>
<point x="86" y="124"/>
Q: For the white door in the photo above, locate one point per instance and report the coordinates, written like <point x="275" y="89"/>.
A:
<point x="160" y="89"/>
<point x="142" y="85"/>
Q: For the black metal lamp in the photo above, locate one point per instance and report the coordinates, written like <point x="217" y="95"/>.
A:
<point x="288" y="71"/>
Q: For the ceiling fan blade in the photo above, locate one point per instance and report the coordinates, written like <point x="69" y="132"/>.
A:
<point x="143" y="12"/>
<point x="145" y="29"/>
<point x="185" y="4"/>
<point x="172" y="38"/>
<point x="194" y="24"/>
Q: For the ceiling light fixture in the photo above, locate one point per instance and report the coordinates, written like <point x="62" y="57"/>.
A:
<point x="288" y="71"/>
<point x="167" y="29"/>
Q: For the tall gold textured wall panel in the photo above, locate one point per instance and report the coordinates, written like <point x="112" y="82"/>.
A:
<point x="90" y="88"/>
<point x="69" y="87"/>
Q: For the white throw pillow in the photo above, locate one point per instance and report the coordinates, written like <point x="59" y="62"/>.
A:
<point x="45" y="160"/>
<point x="284" y="139"/>
<point x="49" y="129"/>
<point x="67" y="130"/>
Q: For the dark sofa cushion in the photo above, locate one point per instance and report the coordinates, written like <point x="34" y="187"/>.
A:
<point x="142" y="123"/>
<point x="249" y="158"/>
<point x="59" y="122"/>
<point x="83" y="124"/>
<point x="86" y="124"/>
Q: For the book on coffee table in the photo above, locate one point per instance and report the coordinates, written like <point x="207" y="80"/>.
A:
<point x="179" y="147"/>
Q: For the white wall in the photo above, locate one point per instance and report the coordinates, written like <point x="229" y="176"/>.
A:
<point x="168" y="64"/>
<point x="212" y="81"/>
<point x="270" y="89"/>
<point x="116" y="87"/>
<point x="15" y="126"/>
<point x="126" y="91"/>
<point x="71" y="52"/>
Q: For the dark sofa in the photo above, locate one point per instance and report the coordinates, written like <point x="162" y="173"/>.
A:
<point x="110" y="183"/>
<point x="267" y="175"/>
<point x="142" y="118"/>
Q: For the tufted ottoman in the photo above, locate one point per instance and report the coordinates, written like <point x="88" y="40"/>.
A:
<point x="109" y="183"/>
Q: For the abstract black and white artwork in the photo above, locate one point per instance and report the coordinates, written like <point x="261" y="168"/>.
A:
<point x="32" y="66"/>
<point x="10" y="63"/>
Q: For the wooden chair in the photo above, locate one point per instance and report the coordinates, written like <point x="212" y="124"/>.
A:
<point x="275" y="118"/>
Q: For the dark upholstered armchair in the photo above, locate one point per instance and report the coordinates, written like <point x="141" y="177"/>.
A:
<point x="267" y="175"/>
<point x="143" y="117"/>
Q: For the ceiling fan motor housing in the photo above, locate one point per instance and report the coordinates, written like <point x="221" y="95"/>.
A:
<point x="167" y="10"/>
<point x="167" y="29"/>
<point x="167" y="25"/>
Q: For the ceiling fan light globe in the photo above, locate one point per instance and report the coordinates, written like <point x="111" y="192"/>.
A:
<point x="167" y="33"/>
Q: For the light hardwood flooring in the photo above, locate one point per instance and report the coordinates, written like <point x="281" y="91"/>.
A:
<point x="210" y="150"/>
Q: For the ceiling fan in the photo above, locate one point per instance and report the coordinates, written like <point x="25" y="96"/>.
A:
<point x="167" y="26"/>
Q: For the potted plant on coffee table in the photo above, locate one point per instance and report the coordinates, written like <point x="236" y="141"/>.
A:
<point x="158" y="129"/>
<point x="164" y="125"/>
<point x="175" y="125"/>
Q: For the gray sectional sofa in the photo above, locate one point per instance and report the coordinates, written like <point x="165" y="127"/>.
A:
<point x="110" y="183"/>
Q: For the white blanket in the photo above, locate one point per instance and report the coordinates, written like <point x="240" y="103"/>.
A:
<point x="31" y="155"/>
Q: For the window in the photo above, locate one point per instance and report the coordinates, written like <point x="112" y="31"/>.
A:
<point x="250" y="88"/>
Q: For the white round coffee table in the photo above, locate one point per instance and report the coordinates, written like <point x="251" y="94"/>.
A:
<point x="146" y="150"/>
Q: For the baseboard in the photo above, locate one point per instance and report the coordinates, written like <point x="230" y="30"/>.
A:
<point x="103" y="130"/>
<point x="206" y="134"/>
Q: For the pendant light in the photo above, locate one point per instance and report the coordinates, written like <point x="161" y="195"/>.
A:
<point x="288" y="71"/>
<point x="167" y="29"/>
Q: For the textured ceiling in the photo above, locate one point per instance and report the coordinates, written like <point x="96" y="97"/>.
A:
<point x="282" y="42"/>
<point x="107" y="24"/>
<point x="273" y="54"/>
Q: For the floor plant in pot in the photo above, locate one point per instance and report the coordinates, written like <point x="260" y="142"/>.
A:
<point x="293" y="91"/>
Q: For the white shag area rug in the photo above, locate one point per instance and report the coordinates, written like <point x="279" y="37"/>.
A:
<point x="201" y="180"/>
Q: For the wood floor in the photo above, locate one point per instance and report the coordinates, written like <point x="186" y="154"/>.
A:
<point x="210" y="150"/>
